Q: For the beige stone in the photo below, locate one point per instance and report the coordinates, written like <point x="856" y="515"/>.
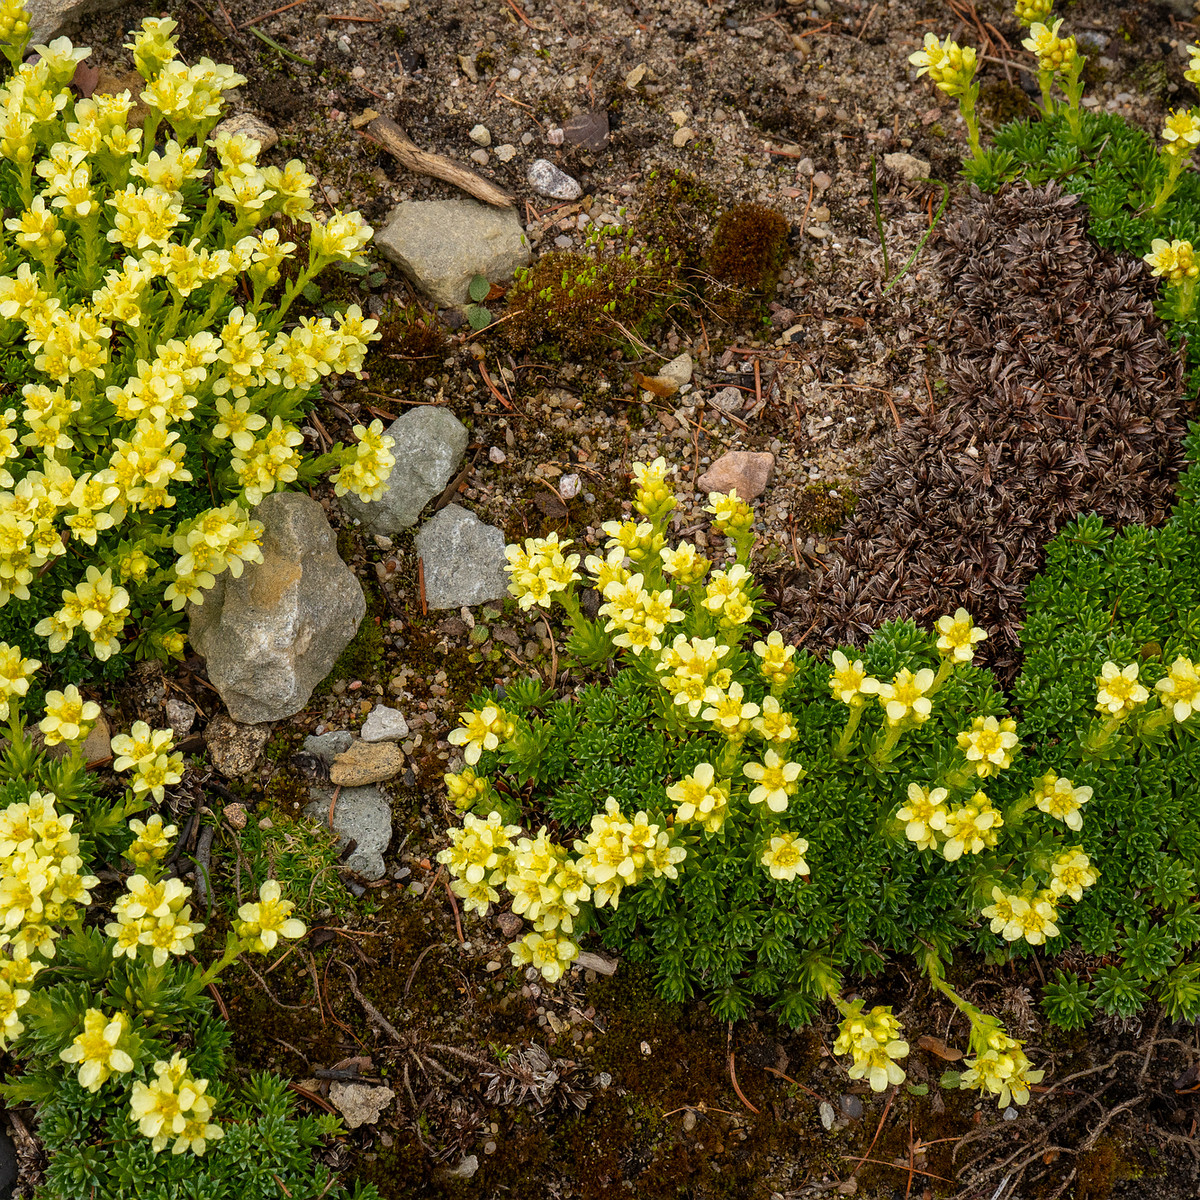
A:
<point x="366" y="762"/>
<point x="747" y="471"/>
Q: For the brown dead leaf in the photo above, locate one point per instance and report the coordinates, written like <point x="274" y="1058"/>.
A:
<point x="656" y="386"/>
<point x="86" y="78"/>
<point x="551" y="505"/>
<point x="363" y="119"/>
<point x="938" y="1047"/>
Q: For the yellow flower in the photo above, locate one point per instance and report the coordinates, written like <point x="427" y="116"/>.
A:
<point x="1181" y="134"/>
<point x="731" y="514"/>
<point x="949" y="66"/>
<point x="905" y="696"/>
<point x="968" y="829"/>
<point x="1061" y="799"/>
<point x="989" y="744"/>
<point x="728" y="711"/>
<point x="849" y="681"/>
<point x="68" y="716"/>
<point x="872" y="1040"/>
<point x="1053" y="53"/>
<point x="1072" y="871"/>
<point x="699" y="797"/>
<point x="140" y="745"/>
<point x="482" y="729"/>
<point x="684" y="564"/>
<point x="1000" y="911"/>
<point x="96" y="1049"/>
<point x="1179" y="688"/>
<point x="784" y="857"/>
<point x="1028" y="11"/>
<point x="550" y="953"/>
<point x="958" y="636"/>
<point x="1032" y="919"/>
<point x="775" y="724"/>
<point x="776" y="779"/>
<point x="924" y="814"/>
<point x="1003" y="1070"/>
<point x="1175" y="262"/>
<point x="262" y="924"/>
<point x="1119" y="693"/>
<point x="343" y="237"/>
<point x="776" y="664"/>
<point x="151" y="843"/>
<point x="155" y="775"/>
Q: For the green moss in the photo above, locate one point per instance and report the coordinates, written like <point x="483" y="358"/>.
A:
<point x="1001" y="102"/>
<point x="749" y="248"/>
<point x="824" y="507"/>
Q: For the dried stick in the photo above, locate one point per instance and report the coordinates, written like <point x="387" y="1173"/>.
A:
<point x="396" y="142"/>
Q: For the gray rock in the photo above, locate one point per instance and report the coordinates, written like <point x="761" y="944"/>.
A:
<point x="467" y="1168"/>
<point x="362" y="815"/>
<point x="48" y="18"/>
<point x="464" y="559"/>
<point x="908" y="166"/>
<point x="271" y="636"/>
<point x="384" y="724"/>
<point x="366" y="762"/>
<point x="327" y="746"/>
<point x="360" y="1103"/>
<point x="678" y="370"/>
<point x="234" y="748"/>
<point x="441" y="245"/>
<point x="588" y="130"/>
<point x="547" y="180"/>
<point x="180" y="717"/>
<point x="430" y="444"/>
<point x="727" y="399"/>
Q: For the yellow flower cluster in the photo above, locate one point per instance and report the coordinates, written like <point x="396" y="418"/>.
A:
<point x="219" y="540"/>
<point x="41" y="887"/>
<point x="784" y="857"/>
<point x="1053" y="53"/>
<point x="155" y="768"/>
<point x="174" y="1106"/>
<point x="989" y="745"/>
<point x="683" y="564"/>
<point x="950" y="66"/>
<point x="1030" y="916"/>
<point x="151" y="843"/>
<point x="1072" y="871"/>
<point x="728" y="711"/>
<point x="958" y="636"/>
<point x="690" y="667"/>
<point x="1002" y="1070"/>
<point x="727" y="598"/>
<point x="474" y="857"/>
<point x="701" y="797"/>
<point x="1179" y="689"/>
<point x="1119" y="693"/>
<point x="1174" y="261"/>
<point x="122" y="260"/>
<point x="872" y="1039"/>
<point x="154" y="915"/>
<point x="1029" y="11"/>
<point x="366" y="474"/>
<point x="731" y="515"/>
<point x="1181" y="133"/>
<point x="970" y="828"/>
<point x="98" y="1049"/>
<point x="540" y="570"/>
<point x="96" y="604"/>
<point x="775" y="661"/>
<point x="639" y="615"/>
<point x="654" y="499"/>
<point x="466" y="788"/>
<point x="1060" y="798"/>
<point x="15" y="673"/>
<point x="619" y="853"/>
<point x="482" y="729"/>
<point x="637" y="540"/>
<point x="262" y="923"/>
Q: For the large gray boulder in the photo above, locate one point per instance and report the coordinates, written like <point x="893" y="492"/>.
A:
<point x="430" y="444"/>
<point x="441" y="244"/>
<point x="463" y="559"/>
<point x="271" y="636"/>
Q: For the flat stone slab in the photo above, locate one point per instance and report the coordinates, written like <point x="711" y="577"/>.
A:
<point x="442" y="244"/>
<point x="747" y="471"/>
<point x="366" y="762"/>
<point x="362" y="814"/>
<point x="463" y="560"/>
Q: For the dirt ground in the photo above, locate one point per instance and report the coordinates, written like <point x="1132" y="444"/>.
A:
<point x="786" y="106"/>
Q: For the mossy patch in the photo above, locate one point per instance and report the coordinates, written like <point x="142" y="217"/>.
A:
<point x="823" y="507"/>
<point x="748" y="251"/>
